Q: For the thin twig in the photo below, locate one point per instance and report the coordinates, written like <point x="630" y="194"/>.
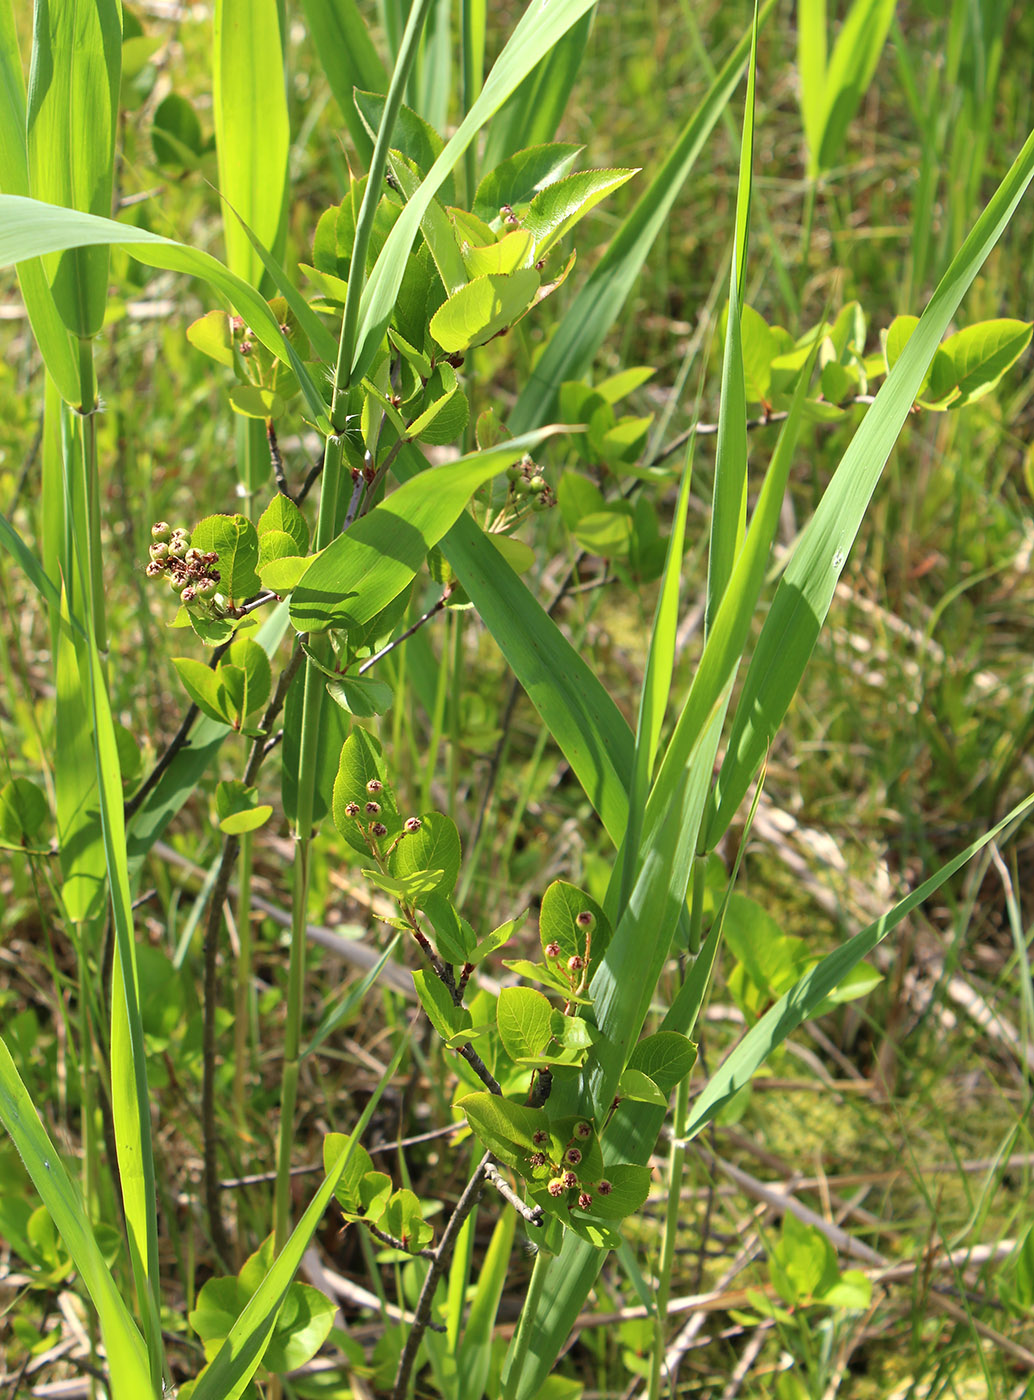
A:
<point x="711" y="429"/>
<point x="277" y="460"/>
<point x="312" y="476"/>
<point x="405" y="636"/>
<point x="400" y="1245"/>
<point x="442" y="1258"/>
<point x="532" y="1214"/>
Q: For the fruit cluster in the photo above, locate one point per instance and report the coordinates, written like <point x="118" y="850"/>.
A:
<point x="191" y="572"/>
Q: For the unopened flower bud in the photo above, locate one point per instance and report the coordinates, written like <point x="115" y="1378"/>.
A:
<point x="556" y="1186"/>
<point x="552" y="950"/>
<point x="412" y="824"/>
<point x="378" y="829"/>
<point x="584" y="1200"/>
<point x="161" y="532"/>
<point x="586" y="920"/>
<point x="352" y="809"/>
<point x="372" y="808"/>
<point x="576" y="962"/>
<point x="374" y="785"/>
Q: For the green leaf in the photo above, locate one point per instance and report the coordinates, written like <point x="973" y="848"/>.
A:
<point x="205" y="689"/>
<point x="362" y="696"/>
<point x="448" y="1019"/>
<point x="512" y="1132"/>
<point x="284" y="574"/>
<point x="598" y="304"/>
<point x="630" y="1186"/>
<point x="176" y="133"/>
<point x="213" y="336"/>
<point x="852" y="1290"/>
<point x="238" y="808"/>
<point x="435" y="846"/>
<point x="849" y="72"/>
<point x="251" y="401"/>
<point x="640" y="1088"/>
<point x="983" y="353"/>
<point x="667" y="1057"/>
<point x="455" y="939"/>
<point x="483" y="308"/>
<point x="23" y="814"/>
<point x="562" y="903"/>
<point x="362" y="570"/>
<point x="235" y="540"/>
<point x="519" y="178"/>
<point x="555" y="210"/>
<point x="514" y="250"/>
<point x="360" y="763"/>
<point x="404" y="1220"/>
<point x="803" y="1263"/>
<point x="282" y="514"/>
<point x="360" y="1191"/>
<point x="407" y="887"/>
<point x="523" y="1019"/>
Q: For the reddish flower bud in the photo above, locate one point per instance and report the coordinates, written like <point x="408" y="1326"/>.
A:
<point x="556" y="1186"/>
<point x="372" y="808"/>
<point x="570" y="1180"/>
<point x="412" y="824"/>
<point x="584" y="1200"/>
<point x="378" y="829"/>
<point x="352" y="809"/>
<point x="604" y="1188"/>
<point x="586" y="919"/>
<point x="576" y="963"/>
<point x="374" y="785"/>
<point x="552" y="950"/>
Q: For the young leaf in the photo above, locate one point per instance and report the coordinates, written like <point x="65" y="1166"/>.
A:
<point x="448" y="1019"/>
<point x="435" y="846"/>
<point x="511" y="1131"/>
<point x="235" y="540"/>
<point x="667" y="1057"/>
<point x="483" y="308"/>
<point x="282" y="514"/>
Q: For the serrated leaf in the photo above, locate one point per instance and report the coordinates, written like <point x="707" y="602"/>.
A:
<point x="497" y="938"/>
<point x="403" y="1219"/>
<point x="512" y="251"/>
<point x="561" y="905"/>
<point x="555" y="210"/>
<point x="282" y="514"/>
<point x="519" y="178"/>
<point x="484" y="307"/>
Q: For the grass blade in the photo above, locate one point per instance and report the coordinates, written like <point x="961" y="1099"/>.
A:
<point x="806" y="589"/>
<point x="596" y="307"/>
<point x="531" y="116"/>
<point x="252" y="132"/>
<point x="729" y="496"/>
<point x="535" y="34"/>
<point x="76" y="66"/>
<point x="127" y="1356"/>
<point x="346" y="52"/>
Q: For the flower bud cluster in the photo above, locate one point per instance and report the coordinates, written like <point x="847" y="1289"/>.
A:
<point x="191" y="572"/>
